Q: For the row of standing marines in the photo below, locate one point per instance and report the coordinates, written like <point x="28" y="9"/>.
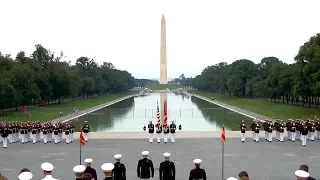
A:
<point x="117" y="170"/>
<point x="166" y="129"/>
<point x="296" y="130"/>
<point x="11" y="132"/>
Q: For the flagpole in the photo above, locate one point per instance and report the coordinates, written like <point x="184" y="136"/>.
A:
<point x="80" y="143"/>
<point x="222" y="159"/>
<point x="80" y="152"/>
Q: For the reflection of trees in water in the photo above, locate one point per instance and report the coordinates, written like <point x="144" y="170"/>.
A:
<point x="104" y="118"/>
<point x="219" y="115"/>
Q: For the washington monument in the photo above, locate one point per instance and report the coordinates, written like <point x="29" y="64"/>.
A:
<point x="163" y="53"/>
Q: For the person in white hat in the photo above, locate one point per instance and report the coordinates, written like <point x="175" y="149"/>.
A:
<point x="167" y="170"/>
<point x="197" y="172"/>
<point x="165" y="133"/>
<point x="301" y="175"/>
<point x="119" y="171"/>
<point x="151" y="131"/>
<point x="173" y="128"/>
<point x="89" y="169"/>
<point x="78" y="171"/>
<point x="305" y="168"/>
<point x="107" y="170"/>
<point x="145" y="168"/>
<point x="47" y="170"/>
<point x="158" y="131"/>
<point x="86" y="130"/>
<point x="25" y="176"/>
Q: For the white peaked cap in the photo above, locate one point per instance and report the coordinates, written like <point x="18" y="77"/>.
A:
<point x="79" y="168"/>
<point x="88" y="160"/>
<point x="197" y="161"/>
<point x="25" y="176"/>
<point x="145" y="153"/>
<point x="47" y="166"/>
<point x="302" y="174"/>
<point x="166" y="154"/>
<point x="117" y="156"/>
<point x="232" y="178"/>
<point x="107" y="167"/>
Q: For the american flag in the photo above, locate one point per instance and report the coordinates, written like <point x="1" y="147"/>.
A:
<point x="158" y="113"/>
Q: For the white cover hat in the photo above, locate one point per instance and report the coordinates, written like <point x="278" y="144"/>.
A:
<point x="47" y="166"/>
<point x="232" y="178"/>
<point x="107" y="167"/>
<point x="145" y="153"/>
<point x="197" y="161"/>
<point x="166" y="154"/>
<point x="25" y="176"/>
<point x="117" y="156"/>
<point x="88" y="160"/>
<point x="79" y="168"/>
<point x="302" y="174"/>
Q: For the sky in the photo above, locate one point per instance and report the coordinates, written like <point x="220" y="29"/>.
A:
<point x="200" y="33"/>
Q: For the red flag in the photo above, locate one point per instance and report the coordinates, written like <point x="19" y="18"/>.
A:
<point x="223" y="134"/>
<point x="81" y="139"/>
<point x="165" y="114"/>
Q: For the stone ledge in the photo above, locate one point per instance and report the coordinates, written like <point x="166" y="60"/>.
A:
<point x="179" y="134"/>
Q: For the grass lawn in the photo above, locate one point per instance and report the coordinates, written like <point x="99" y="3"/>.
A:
<point x="266" y="108"/>
<point x="163" y="86"/>
<point x="51" y="112"/>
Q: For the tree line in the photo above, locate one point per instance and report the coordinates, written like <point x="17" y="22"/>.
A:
<point x="44" y="77"/>
<point x="297" y="83"/>
<point x="144" y="82"/>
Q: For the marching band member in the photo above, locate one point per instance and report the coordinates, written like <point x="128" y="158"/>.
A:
<point x="34" y="131"/>
<point x="50" y="131"/>
<point x="252" y="126"/>
<point x="56" y="133"/>
<point x="5" y="134"/>
<point x="10" y="132"/>
<point x="281" y="130"/>
<point x="288" y="125"/>
<point x="304" y="133"/>
<point x="257" y="131"/>
<point x="67" y="133"/>
<point x="243" y="131"/>
<point x="318" y="129"/>
<point x="29" y="127"/>
<point x="312" y="130"/>
<point x="293" y="131"/>
<point x="71" y="131"/>
<point x="60" y="131"/>
<point x="39" y="127"/>
<point x="173" y="128"/>
<point x="151" y="131"/>
<point x="86" y="130"/>
<point x="45" y="133"/>
<point x="23" y="132"/>
<point x="270" y="130"/>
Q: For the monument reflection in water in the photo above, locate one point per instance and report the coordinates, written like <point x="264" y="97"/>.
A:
<point x="132" y="114"/>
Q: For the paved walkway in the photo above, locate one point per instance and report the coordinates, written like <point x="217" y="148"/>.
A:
<point x="233" y="108"/>
<point x="89" y="110"/>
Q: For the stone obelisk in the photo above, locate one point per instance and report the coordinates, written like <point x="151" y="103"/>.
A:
<point x="163" y="53"/>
